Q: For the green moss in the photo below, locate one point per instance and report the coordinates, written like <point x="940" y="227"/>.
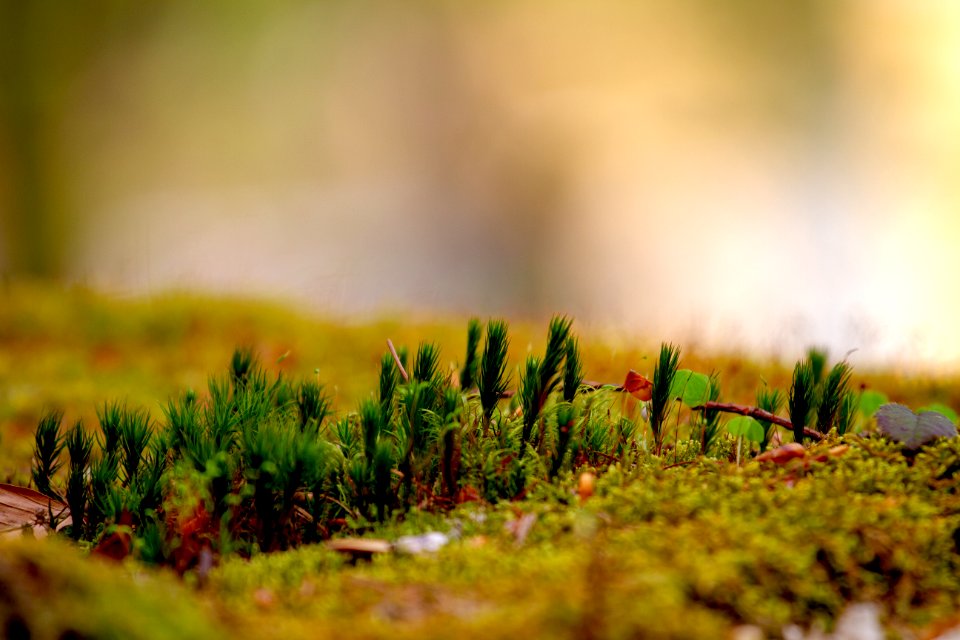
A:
<point x="49" y="590"/>
<point x="669" y="546"/>
<point x="688" y="551"/>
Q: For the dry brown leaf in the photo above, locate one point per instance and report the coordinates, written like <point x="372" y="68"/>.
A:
<point x="468" y="494"/>
<point x="21" y="507"/>
<point x="638" y="386"/>
<point x="115" y="546"/>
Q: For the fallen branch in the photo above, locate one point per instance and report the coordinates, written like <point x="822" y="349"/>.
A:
<point x="757" y="413"/>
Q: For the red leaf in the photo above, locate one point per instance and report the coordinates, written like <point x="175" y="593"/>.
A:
<point x="638" y="386"/>
<point x="468" y="494"/>
<point x="115" y="546"/>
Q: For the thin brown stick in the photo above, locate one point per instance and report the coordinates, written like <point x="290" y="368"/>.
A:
<point x="755" y="412"/>
<point x="605" y="456"/>
<point x="349" y="511"/>
<point x="678" y="464"/>
<point x="396" y="358"/>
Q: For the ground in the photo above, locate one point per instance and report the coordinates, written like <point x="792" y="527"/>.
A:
<point x="653" y="549"/>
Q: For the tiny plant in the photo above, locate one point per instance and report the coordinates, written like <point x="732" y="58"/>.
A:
<point x="566" y="411"/>
<point x="801" y="398"/>
<point x="710" y="419"/>
<point x="530" y="393"/>
<point x="833" y="395"/>
<point x="242" y="365"/>
<point x="79" y="445"/>
<point x="46" y="452"/>
<point x="382" y="464"/>
<point x="389" y="379"/>
<point x="370" y="422"/>
<point x="312" y="405"/>
<point x="426" y="366"/>
<point x="541" y="377"/>
<point x="468" y="374"/>
<point x="663" y="374"/>
<point x="817" y="357"/>
<point x="572" y="370"/>
<point x="109" y="415"/>
<point x="257" y="461"/>
<point x="135" y="433"/>
<point x="493" y="379"/>
<point x="846" y="416"/>
<point x="557" y="335"/>
<point x="771" y="401"/>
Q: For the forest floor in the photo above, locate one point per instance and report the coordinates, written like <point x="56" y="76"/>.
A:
<point x="704" y="548"/>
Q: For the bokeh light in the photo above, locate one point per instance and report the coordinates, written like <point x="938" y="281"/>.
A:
<point x="741" y="174"/>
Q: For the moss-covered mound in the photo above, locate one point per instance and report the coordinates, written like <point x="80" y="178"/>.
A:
<point x="690" y="551"/>
<point x="540" y="503"/>
<point x="49" y="589"/>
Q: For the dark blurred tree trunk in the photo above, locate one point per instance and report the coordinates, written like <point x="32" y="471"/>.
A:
<point x="32" y="243"/>
<point x="44" y="45"/>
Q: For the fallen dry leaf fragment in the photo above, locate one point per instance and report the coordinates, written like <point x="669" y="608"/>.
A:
<point x="21" y="507"/>
<point x="638" y="386"/>
<point x="115" y="546"/>
<point x="783" y="454"/>
<point x="118" y="544"/>
<point x="468" y="494"/>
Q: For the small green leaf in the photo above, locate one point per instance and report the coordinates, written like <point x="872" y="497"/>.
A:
<point x="691" y="387"/>
<point x="747" y="427"/>
<point x="942" y="409"/>
<point x="900" y="424"/>
<point x="870" y="401"/>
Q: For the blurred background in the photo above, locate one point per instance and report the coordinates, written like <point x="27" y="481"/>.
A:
<point x="737" y="175"/>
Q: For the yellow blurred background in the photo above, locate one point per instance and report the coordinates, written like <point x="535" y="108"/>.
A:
<point x="740" y="174"/>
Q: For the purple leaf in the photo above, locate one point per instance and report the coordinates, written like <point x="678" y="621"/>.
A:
<point x="900" y="424"/>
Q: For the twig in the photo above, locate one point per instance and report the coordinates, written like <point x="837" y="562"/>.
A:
<point x="350" y="512"/>
<point x="593" y="385"/>
<point x="682" y="463"/>
<point x="605" y="456"/>
<point x="396" y="358"/>
<point x="755" y="412"/>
